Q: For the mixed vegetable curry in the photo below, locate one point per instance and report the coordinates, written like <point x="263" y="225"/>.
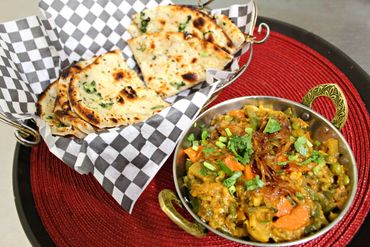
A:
<point x="257" y="173"/>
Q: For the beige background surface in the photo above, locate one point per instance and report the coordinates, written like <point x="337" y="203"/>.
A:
<point x="346" y="24"/>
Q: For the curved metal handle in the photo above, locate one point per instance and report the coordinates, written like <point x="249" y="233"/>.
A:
<point x="24" y="134"/>
<point x="166" y="197"/>
<point x="333" y="92"/>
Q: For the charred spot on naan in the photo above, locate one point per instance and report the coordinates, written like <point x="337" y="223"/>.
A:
<point x="128" y="93"/>
<point x="199" y="23"/>
<point x="121" y="74"/>
<point x="190" y="77"/>
<point x="70" y="70"/>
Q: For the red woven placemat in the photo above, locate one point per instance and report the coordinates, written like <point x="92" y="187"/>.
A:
<point x="76" y="211"/>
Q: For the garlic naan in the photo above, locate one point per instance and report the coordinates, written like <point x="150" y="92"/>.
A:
<point x="231" y="30"/>
<point x="62" y="107"/>
<point x="177" y="18"/>
<point x="172" y="62"/>
<point x="45" y="107"/>
<point x="107" y="93"/>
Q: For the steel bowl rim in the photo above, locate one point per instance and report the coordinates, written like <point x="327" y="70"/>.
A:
<point x="295" y="242"/>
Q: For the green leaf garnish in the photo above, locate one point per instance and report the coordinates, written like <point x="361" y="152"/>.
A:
<point x="241" y="147"/>
<point x="301" y="145"/>
<point x="191" y="138"/>
<point x="157" y="107"/>
<point x="205" y="33"/>
<point x="89" y="87"/>
<point x="254" y="183"/>
<point x="203" y="171"/>
<point x="106" y="105"/>
<point x="292" y="157"/>
<point x="183" y="25"/>
<point x="299" y="195"/>
<point x="272" y="126"/>
<point x="144" y="22"/>
<point x="283" y="163"/>
<point x="177" y="85"/>
<point x="208" y="151"/>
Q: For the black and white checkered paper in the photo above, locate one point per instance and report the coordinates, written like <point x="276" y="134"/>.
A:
<point x="32" y="53"/>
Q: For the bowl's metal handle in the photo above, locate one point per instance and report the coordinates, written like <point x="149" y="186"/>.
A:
<point x="166" y="198"/>
<point x="333" y="92"/>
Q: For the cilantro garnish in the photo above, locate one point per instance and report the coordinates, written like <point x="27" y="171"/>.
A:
<point x="208" y="151"/>
<point x="90" y="87"/>
<point x="203" y="171"/>
<point x="144" y="22"/>
<point x="191" y="138"/>
<point x="292" y="157"/>
<point x="205" y="33"/>
<point x="241" y="146"/>
<point x="301" y="145"/>
<point x="106" y="105"/>
<point x="177" y="85"/>
<point x="157" y="107"/>
<point x="183" y="25"/>
<point x="316" y="157"/>
<point x="254" y="183"/>
<point x="272" y="126"/>
<point x="299" y="195"/>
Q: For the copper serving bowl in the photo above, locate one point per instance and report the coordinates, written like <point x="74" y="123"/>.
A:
<point x="321" y="129"/>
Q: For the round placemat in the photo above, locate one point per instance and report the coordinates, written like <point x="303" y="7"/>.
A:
<point x="76" y="211"/>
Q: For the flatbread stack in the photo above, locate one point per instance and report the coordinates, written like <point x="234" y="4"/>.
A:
<point x="175" y="45"/>
<point x="95" y="94"/>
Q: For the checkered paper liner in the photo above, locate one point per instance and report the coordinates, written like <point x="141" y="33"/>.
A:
<point x="33" y="51"/>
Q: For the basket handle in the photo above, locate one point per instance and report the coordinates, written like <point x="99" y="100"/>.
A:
<point x="333" y="92"/>
<point x="166" y="198"/>
<point x="24" y="134"/>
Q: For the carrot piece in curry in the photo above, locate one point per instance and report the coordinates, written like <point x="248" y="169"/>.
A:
<point x="193" y="154"/>
<point x="233" y="164"/>
<point x="298" y="218"/>
<point x="284" y="207"/>
<point x="248" y="173"/>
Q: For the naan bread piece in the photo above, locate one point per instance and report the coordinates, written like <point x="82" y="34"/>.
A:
<point x="62" y="107"/>
<point x="177" y="18"/>
<point x="172" y="62"/>
<point x="62" y="103"/>
<point x="107" y="93"/>
<point x="231" y="30"/>
<point x="45" y="107"/>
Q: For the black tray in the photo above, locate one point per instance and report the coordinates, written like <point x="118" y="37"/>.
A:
<point x="25" y="204"/>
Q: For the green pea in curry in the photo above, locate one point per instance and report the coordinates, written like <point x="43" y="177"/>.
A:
<point x="257" y="174"/>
